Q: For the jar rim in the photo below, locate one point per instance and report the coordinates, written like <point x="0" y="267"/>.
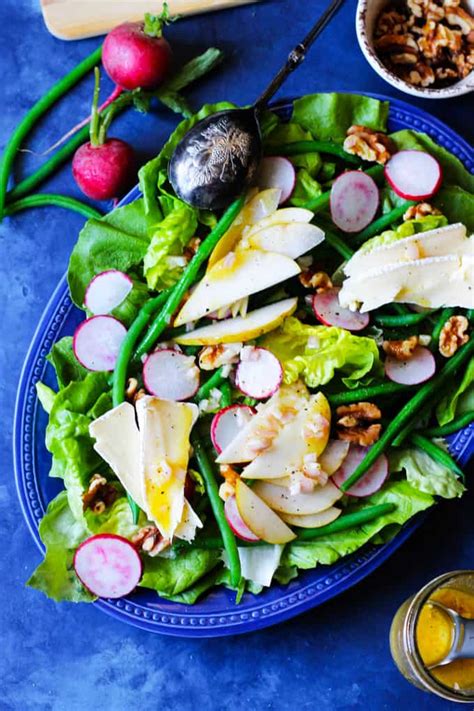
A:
<point x="409" y="634"/>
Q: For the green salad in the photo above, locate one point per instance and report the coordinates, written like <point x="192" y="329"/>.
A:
<point x="261" y="391"/>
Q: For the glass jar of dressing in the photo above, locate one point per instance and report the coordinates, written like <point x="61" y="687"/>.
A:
<point x="423" y="633"/>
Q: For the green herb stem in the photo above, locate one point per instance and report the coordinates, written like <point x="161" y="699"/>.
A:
<point x="457" y="424"/>
<point x="436" y="452"/>
<point x="409" y="411"/>
<point x="383" y="223"/>
<point x="212" y="490"/>
<point x="367" y="393"/>
<point x="35" y="113"/>
<point x="299" y="147"/>
<point x="188" y="277"/>
<point x="50" y="199"/>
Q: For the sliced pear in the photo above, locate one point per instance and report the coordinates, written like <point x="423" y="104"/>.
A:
<point x="334" y="454"/>
<point x="279" y="498"/>
<point x="234" y="277"/>
<point x="259" y="206"/>
<point x="313" y="520"/>
<point x="286" y="402"/>
<point x="292" y="239"/>
<point x="307" y="433"/>
<point x="286" y="214"/>
<point x="261" y="520"/>
<point x="241" y="328"/>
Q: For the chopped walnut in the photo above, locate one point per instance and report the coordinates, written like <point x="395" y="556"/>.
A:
<point x="191" y="248"/>
<point x="368" y="144"/>
<point x="212" y="357"/>
<point x="419" y="75"/>
<point x="390" y="23"/>
<point x="100" y="494"/>
<point x="356" y="423"/>
<point x="416" y="212"/>
<point x="426" y="9"/>
<point x="458" y="17"/>
<point x="402" y="49"/>
<point x="315" y="280"/>
<point x="132" y="391"/>
<point x="401" y="350"/>
<point x="149" y="540"/>
<point x="464" y="62"/>
<point x="453" y="335"/>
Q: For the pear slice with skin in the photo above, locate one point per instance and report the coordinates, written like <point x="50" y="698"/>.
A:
<point x="238" y="275"/>
<point x="261" y="520"/>
<point x="280" y="499"/>
<point x="241" y="328"/>
<point x="292" y="239"/>
<point x="312" y="520"/>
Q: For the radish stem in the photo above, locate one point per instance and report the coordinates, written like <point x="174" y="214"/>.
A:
<point x="38" y="110"/>
<point x="49" y="199"/>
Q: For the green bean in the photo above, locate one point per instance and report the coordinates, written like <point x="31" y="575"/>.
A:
<point x="360" y="394"/>
<point x="307" y="535"/>
<point x="226" y="393"/>
<point x="438" y="327"/>
<point x="123" y="359"/>
<point x="457" y="424"/>
<point x="36" y="111"/>
<point x="321" y="202"/>
<point x="400" y="319"/>
<point x="436" y="452"/>
<point x="383" y="223"/>
<point x="215" y="381"/>
<point x="470" y="315"/>
<point x="408" y="411"/>
<point x="217" y="506"/>
<point x="45" y="200"/>
<point x="298" y="147"/>
<point x="400" y="308"/>
<point x="338" y="244"/>
<point x="188" y="277"/>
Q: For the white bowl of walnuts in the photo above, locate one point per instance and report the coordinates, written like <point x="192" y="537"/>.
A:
<point x="422" y="47"/>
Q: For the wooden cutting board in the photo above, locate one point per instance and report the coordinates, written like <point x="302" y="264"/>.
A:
<point x="76" y="19"/>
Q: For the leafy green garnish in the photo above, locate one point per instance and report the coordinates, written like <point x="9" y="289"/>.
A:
<point x="170" y="576"/>
<point x="457" y="204"/>
<point x="426" y="474"/>
<point x="460" y="399"/>
<point x="65" y="363"/>
<point x="406" y="229"/>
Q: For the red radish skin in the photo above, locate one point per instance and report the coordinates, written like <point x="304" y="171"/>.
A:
<point x="96" y="342"/>
<point x="414" y="175"/>
<point x="328" y="311"/>
<point x="353" y="201"/>
<point x="106" y="291"/>
<point x="370" y="482"/>
<point x="133" y="59"/>
<point x="236" y="522"/>
<point x="171" y="375"/>
<point x="104" y="171"/>
<point x="259" y="373"/>
<point x="277" y="172"/>
<point x="420" y="367"/>
<point x="227" y="423"/>
<point x="108" y="565"/>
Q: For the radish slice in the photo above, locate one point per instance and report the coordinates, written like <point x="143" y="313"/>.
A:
<point x="227" y="423"/>
<point x="97" y="341"/>
<point x="328" y="310"/>
<point x="171" y="375"/>
<point x="414" y="175"/>
<point x="108" y="565"/>
<point x="420" y="367"/>
<point x="333" y="456"/>
<point x="354" y="201"/>
<point x="236" y="522"/>
<point x="106" y="291"/>
<point x="259" y="373"/>
<point x="370" y="482"/>
<point x="277" y="172"/>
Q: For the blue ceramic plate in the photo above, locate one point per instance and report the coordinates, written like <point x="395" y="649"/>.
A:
<point x="216" y="615"/>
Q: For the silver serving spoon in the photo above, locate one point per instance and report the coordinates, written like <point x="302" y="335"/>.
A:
<point x="218" y="158"/>
<point x="462" y="646"/>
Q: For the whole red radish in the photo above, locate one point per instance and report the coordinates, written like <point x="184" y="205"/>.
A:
<point x="105" y="167"/>
<point x="136" y="55"/>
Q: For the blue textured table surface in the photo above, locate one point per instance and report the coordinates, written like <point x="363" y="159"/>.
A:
<point x="62" y="657"/>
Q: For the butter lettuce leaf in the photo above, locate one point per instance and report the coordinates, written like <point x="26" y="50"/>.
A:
<point x="306" y="188"/>
<point x="65" y="364"/>
<point x="328" y="549"/>
<point x="460" y="399"/>
<point x="61" y="533"/>
<point x="315" y="353"/>
<point x="454" y="172"/>
<point x="426" y="474"/>
<point x="406" y="229"/>
<point x="171" y="575"/>
<point x="328" y="116"/>
<point x="290" y="133"/>
<point x="457" y="204"/>
<point x="163" y="262"/>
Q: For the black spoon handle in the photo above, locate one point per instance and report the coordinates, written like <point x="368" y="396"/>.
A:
<point x="297" y="55"/>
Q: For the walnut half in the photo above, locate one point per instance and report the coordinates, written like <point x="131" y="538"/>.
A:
<point x="401" y="350"/>
<point x="356" y="423"/>
<point x="100" y="494"/>
<point x="453" y="335"/>
<point x="368" y="144"/>
<point x="149" y="540"/>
